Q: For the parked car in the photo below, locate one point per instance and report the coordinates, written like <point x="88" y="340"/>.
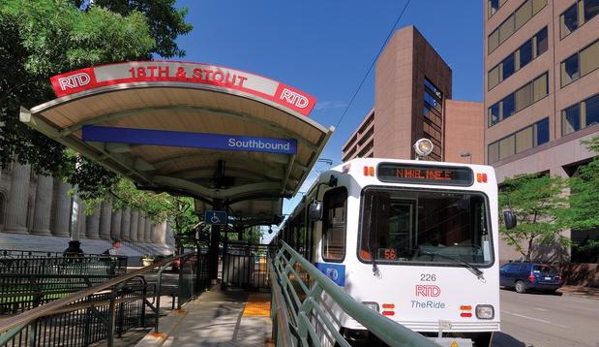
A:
<point x="523" y="276"/>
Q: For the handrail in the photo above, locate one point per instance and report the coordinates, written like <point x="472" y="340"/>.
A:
<point x="388" y="331"/>
<point x="47" y="309"/>
<point x="279" y="311"/>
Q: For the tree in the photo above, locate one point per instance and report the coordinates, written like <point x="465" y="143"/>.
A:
<point x="42" y="38"/>
<point x="538" y="202"/>
<point x="584" y="190"/>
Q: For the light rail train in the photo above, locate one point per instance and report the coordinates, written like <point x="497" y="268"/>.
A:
<point x="414" y="240"/>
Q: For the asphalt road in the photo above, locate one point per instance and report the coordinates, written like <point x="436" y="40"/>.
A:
<point x="547" y="320"/>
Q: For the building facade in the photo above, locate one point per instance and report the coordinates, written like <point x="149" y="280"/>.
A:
<point x="41" y="206"/>
<point x="413" y="90"/>
<point x="541" y="97"/>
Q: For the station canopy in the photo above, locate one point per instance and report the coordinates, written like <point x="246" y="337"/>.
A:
<point x="192" y="129"/>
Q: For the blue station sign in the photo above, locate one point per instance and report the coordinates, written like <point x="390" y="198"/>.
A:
<point x="92" y="133"/>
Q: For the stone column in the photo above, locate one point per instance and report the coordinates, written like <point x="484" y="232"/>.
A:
<point x="161" y="233"/>
<point x="79" y="224"/>
<point x="141" y="228"/>
<point x="155" y="232"/>
<point x="115" y="228"/>
<point x="43" y="206"/>
<point x="63" y="207"/>
<point x="92" y="225"/>
<point x="16" y="208"/>
<point x="148" y="231"/>
<point x="105" y="220"/>
<point x="134" y="225"/>
<point x="126" y="224"/>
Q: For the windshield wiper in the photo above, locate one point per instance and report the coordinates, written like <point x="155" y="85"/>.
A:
<point x="476" y="271"/>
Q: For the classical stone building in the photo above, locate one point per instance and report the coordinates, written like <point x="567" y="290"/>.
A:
<point x="38" y="213"/>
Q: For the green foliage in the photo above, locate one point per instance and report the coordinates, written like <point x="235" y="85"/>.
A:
<point x="42" y="38"/>
<point x="538" y="203"/>
<point x="584" y="187"/>
<point x="586" y="251"/>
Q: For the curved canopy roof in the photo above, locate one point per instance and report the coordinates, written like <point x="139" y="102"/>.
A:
<point x="193" y="129"/>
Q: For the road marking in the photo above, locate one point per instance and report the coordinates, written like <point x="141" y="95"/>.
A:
<point x="536" y="319"/>
<point x="541" y="309"/>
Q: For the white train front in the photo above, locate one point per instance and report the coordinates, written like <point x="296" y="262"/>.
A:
<point x="414" y="240"/>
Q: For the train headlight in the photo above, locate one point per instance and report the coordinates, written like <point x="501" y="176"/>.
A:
<point x="485" y="311"/>
<point x="423" y="147"/>
<point x="371" y="305"/>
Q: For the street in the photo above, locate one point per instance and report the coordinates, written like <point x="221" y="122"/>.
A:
<point x="546" y="320"/>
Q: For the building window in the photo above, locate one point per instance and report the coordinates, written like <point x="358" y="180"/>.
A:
<point x="508" y="66"/>
<point x="569" y="21"/>
<point x="532" y="136"/>
<point x="580" y="64"/>
<point x="433" y="103"/>
<point x="540" y="87"/>
<point x="577" y="15"/>
<point x="494" y="116"/>
<point x="494" y="6"/>
<point x="592" y="111"/>
<point x="581" y="115"/>
<point x="591" y="8"/>
<point x="514" y="22"/>
<point x="571" y="119"/>
<point x="542" y="42"/>
<point x="525" y="53"/>
<point x="509" y="106"/>
<point x="524" y="139"/>
<point x="523" y="97"/>
<point x="518" y="59"/>
<point x="589" y="58"/>
<point x="519" y="100"/>
<point x="542" y="132"/>
<point x="569" y="70"/>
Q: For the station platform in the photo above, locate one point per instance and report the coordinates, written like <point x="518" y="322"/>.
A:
<point x="216" y="318"/>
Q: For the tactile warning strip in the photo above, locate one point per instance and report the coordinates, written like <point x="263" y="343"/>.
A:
<point x="258" y="304"/>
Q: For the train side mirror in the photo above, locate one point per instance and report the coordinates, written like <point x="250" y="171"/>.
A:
<point x="509" y="218"/>
<point x="315" y="210"/>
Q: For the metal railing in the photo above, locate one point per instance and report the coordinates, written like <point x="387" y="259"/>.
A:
<point x="301" y="317"/>
<point x="101" y="311"/>
<point x="245" y="266"/>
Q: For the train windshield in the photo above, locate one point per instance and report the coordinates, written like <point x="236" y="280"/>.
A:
<point x="424" y="226"/>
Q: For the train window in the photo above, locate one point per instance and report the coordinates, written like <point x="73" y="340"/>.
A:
<point x="334" y="223"/>
<point x="424" y="226"/>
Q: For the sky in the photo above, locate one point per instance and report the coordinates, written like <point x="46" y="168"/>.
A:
<point x="326" y="48"/>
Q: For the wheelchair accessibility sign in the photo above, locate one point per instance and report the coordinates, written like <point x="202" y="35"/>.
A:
<point x="215" y="217"/>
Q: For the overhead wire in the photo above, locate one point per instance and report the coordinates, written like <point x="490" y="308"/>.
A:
<point x="372" y="64"/>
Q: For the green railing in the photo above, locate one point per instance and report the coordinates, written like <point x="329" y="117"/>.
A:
<point x="102" y="310"/>
<point x="300" y="315"/>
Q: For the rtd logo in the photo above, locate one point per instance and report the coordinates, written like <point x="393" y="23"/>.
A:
<point x="294" y="98"/>
<point x="428" y="290"/>
<point x="74" y="81"/>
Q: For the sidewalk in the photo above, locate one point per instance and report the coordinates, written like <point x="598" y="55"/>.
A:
<point x="587" y="292"/>
<point x="216" y="318"/>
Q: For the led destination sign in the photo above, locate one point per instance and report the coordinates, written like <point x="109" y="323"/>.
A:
<point x="424" y="174"/>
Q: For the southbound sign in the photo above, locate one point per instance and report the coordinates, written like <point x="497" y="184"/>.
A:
<point x="200" y="75"/>
<point x="91" y="133"/>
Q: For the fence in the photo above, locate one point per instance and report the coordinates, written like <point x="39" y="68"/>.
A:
<point x="97" y="312"/>
<point x="245" y="266"/>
